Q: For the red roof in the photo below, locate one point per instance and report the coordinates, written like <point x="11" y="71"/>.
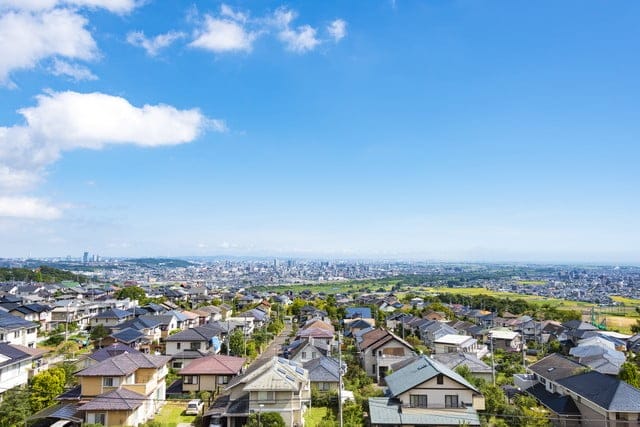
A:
<point x="214" y="365"/>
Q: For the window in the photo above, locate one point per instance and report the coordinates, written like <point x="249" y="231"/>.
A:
<point x="223" y="379"/>
<point x="266" y="396"/>
<point x="177" y="365"/>
<point x="195" y="346"/>
<point x="191" y="379"/>
<point x="451" y="401"/>
<point x="440" y="379"/>
<point x="324" y="386"/>
<point x="313" y="355"/>
<point x="100" y="418"/>
<point x="109" y="382"/>
<point x="178" y="345"/>
<point x="418" y="400"/>
<point x="304" y="354"/>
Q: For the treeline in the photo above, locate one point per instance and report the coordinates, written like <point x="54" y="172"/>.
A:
<point x="42" y="274"/>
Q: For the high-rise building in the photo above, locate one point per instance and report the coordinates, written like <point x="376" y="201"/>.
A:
<point x="85" y="257"/>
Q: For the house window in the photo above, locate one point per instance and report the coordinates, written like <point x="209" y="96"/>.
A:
<point x="223" y="379"/>
<point x="177" y="365"/>
<point x="178" y="345"/>
<point x="191" y="379"/>
<point x="109" y="382"/>
<point x="418" y="400"/>
<point x="440" y="379"/>
<point x="324" y="386"/>
<point x="451" y="401"/>
<point x="195" y="346"/>
<point x="266" y="396"/>
<point x="100" y="418"/>
<point x="313" y="355"/>
<point x="304" y="354"/>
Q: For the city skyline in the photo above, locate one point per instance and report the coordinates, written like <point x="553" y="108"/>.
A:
<point x="454" y="131"/>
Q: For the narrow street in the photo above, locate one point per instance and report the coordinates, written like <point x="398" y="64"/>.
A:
<point x="276" y="344"/>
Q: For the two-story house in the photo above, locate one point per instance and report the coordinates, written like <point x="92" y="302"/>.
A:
<point x="127" y="389"/>
<point x="16" y="363"/>
<point x="379" y="349"/>
<point x="211" y="373"/>
<point x="577" y="396"/>
<point x="16" y="330"/>
<point x="202" y="338"/>
<point x="273" y="385"/>
<point x="425" y="392"/>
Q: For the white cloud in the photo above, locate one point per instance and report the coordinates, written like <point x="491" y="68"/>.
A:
<point x="27" y="38"/>
<point x="301" y="39"/>
<point x="115" y="6"/>
<point x="64" y="121"/>
<point x="155" y="44"/>
<point x="337" y="29"/>
<point x="227" y="11"/>
<point x="224" y="35"/>
<point x="75" y="71"/>
<point x="28" y="207"/>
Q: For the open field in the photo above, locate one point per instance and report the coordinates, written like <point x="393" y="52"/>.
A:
<point x="172" y="414"/>
<point x="623" y="324"/>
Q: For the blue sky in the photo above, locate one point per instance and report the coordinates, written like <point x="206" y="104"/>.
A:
<point x="443" y="130"/>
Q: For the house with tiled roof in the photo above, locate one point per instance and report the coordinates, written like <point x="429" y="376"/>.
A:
<point x="272" y="385"/>
<point x="578" y="396"/>
<point x="18" y="331"/>
<point x="210" y="373"/>
<point x="425" y="392"/>
<point x="324" y="373"/>
<point x="110" y="317"/>
<point x="127" y="389"/>
<point x="379" y="349"/>
<point x="16" y="363"/>
<point x="204" y="338"/>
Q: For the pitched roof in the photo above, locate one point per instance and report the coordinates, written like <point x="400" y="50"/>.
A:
<point x="384" y="411"/>
<point x="453" y="360"/>
<point x="273" y="374"/>
<point x="353" y="312"/>
<point x="197" y="334"/>
<point x="554" y="367"/>
<point x="11" y="322"/>
<point x="113" y="313"/>
<point x="124" y="364"/>
<point x="111" y="351"/>
<point x="10" y="354"/>
<point x="323" y="369"/>
<point x="563" y="405"/>
<point x="120" y="399"/>
<point x="420" y="370"/>
<point x="214" y="365"/>
<point x="605" y="391"/>
<point x="128" y="335"/>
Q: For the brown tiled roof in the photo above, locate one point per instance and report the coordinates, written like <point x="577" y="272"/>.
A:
<point x="116" y="400"/>
<point x="214" y="365"/>
<point x="124" y="364"/>
<point x="317" y="323"/>
<point x="372" y="337"/>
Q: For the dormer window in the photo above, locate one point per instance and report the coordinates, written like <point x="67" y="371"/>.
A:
<point x="440" y="379"/>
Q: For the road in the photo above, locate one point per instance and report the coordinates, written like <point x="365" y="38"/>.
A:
<point x="276" y="344"/>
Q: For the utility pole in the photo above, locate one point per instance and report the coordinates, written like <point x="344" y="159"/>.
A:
<point x="340" y="378"/>
<point x="493" y="361"/>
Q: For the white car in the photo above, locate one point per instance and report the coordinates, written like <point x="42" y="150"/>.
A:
<point x="194" y="407"/>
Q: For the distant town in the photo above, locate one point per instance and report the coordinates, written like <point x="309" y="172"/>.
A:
<point x="153" y="342"/>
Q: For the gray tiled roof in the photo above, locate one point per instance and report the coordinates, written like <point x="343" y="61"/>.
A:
<point x="111" y="351"/>
<point x="116" y="400"/>
<point x="11" y="322"/>
<point x="383" y="411"/>
<point x="554" y="367"/>
<point x="420" y="370"/>
<point x="199" y="333"/>
<point x="605" y="391"/>
<point x="323" y="369"/>
<point x="124" y="364"/>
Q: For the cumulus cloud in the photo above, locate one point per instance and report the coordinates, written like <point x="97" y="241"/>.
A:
<point x="223" y="35"/>
<point x="27" y="38"/>
<point x="64" y="121"/>
<point x="337" y="29"/>
<point x="153" y="45"/>
<point x="76" y="72"/>
<point x="234" y="31"/>
<point x="301" y="39"/>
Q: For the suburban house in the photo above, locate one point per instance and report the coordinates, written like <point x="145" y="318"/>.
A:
<point x="425" y="392"/>
<point x="303" y="350"/>
<point x="16" y="365"/>
<point x="110" y="317"/>
<point x="16" y="330"/>
<point x="211" y="373"/>
<point x="379" y="349"/>
<point x="477" y="367"/>
<point x="324" y="373"/>
<point x="505" y="339"/>
<point x="37" y="313"/>
<point x="203" y="338"/>
<point x="579" y="397"/>
<point x="453" y="343"/>
<point x="274" y="385"/>
<point x="127" y="389"/>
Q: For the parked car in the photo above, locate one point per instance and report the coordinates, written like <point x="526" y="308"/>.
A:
<point x="194" y="407"/>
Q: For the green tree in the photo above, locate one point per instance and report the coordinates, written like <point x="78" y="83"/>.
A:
<point x="68" y="348"/>
<point x="267" y="419"/>
<point x="630" y="373"/>
<point x="236" y="343"/>
<point x="99" y="332"/>
<point x="45" y="386"/>
<point x="14" y="408"/>
<point x="133" y="293"/>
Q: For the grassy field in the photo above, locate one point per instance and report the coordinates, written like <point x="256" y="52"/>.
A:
<point x="313" y="416"/>
<point x="172" y="414"/>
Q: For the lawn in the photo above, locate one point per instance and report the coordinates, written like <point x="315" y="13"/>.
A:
<point x="172" y="414"/>
<point x="313" y="416"/>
